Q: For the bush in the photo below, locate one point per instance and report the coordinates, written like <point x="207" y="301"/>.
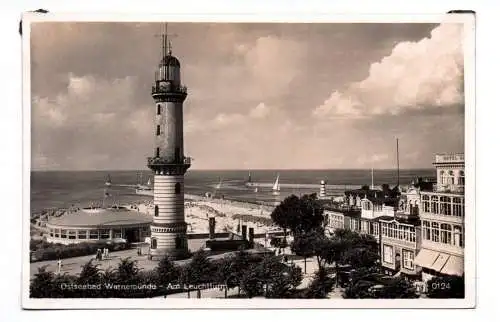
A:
<point x="44" y="251"/>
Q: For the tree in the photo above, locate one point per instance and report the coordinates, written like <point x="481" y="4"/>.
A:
<point x="167" y="272"/>
<point x="127" y="271"/>
<point x="446" y="287"/>
<point x="354" y="249"/>
<point x="271" y="278"/>
<point x="366" y="283"/>
<point x="199" y="271"/>
<point x="315" y="243"/>
<point x="300" y="215"/>
<point x="90" y="275"/>
<point x="43" y="285"/>
<point x="320" y="286"/>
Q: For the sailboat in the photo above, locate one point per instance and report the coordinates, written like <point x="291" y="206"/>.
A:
<point x="108" y="180"/>
<point x="219" y="185"/>
<point x="144" y="190"/>
<point x="276" y="186"/>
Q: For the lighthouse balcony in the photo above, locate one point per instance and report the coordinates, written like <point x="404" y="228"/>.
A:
<point x="169" y="165"/>
<point x="168" y="88"/>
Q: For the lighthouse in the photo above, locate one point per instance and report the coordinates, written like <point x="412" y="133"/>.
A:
<point x="169" y="164"/>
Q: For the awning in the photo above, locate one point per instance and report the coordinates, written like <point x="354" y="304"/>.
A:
<point x="454" y="266"/>
<point x="426" y="258"/>
<point x="440" y="261"/>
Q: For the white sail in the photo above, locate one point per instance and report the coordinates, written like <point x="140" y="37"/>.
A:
<point x="149" y="181"/>
<point x="108" y="180"/>
<point x="219" y="185"/>
<point x="276" y="186"/>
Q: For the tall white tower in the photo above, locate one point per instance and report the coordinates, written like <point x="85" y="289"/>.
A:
<point x="168" y="230"/>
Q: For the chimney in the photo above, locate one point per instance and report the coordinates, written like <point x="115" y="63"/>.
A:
<point x="211" y="227"/>
<point x="244" y="232"/>
<point x="250" y="236"/>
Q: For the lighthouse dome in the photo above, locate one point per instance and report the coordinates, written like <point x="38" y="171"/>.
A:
<point x="170" y="60"/>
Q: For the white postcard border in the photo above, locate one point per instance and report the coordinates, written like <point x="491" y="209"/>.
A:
<point x="169" y="303"/>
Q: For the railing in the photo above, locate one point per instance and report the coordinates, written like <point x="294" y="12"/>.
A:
<point x="451" y="188"/>
<point x="168" y="88"/>
<point x="169" y="161"/>
<point x="450" y="157"/>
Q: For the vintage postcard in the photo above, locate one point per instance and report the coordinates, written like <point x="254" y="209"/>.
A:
<point x="246" y="162"/>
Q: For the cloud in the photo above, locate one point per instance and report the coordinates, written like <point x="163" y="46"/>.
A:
<point x="88" y="122"/>
<point x="222" y="121"/>
<point x="425" y="74"/>
<point x="260" y="111"/>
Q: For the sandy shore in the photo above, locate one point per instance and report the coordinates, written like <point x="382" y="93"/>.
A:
<point x="198" y="209"/>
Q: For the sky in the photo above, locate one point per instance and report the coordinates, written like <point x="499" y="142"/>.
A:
<point x="261" y="96"/>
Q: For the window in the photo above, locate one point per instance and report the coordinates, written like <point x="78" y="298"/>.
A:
<point x="461" y="178"/>
<point x="391" y="231"/>
<point x="158" y="109"/>
<point x="82" y="234"/>
<point x="64" y="233"/>
<point x="117" y="233"/>
<point x="364" y="227"/>
<point x="434" y="204"/>
<point x="375" y="229"/>
<point x="445" y="206"/>
<point x="103" y="234"/>
<point x="408" y="257"/>
<point x="72" y="234"/>
<point x="425" y="203"/>
<point x="446" y="233"/>
<point x="94" y="234"/>
<point x="388" y="254"/>
<point x="157" y="152"/>
<point x="458" y="237"/>
<point x="153" y="243"/>
<point x="435" y="232"/>
<point x="458" y="207"/>
<point x="384" y="229"/>
<point x="158" y="132"/>
<point x="426" y="230"/>
<point x="57" y="233"/>
<point x="177" y="188"/>
<point x="157" y="211"/>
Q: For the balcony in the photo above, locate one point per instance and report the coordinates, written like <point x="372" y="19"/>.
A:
<point x="168" y="165"/>
<point x="167" y="92"/>
<point x="450" y="158"/>
<point x="448" y="188"/>
<point x="169" y="161"/>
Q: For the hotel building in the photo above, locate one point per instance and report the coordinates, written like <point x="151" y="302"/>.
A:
<point x="442" y="220"/>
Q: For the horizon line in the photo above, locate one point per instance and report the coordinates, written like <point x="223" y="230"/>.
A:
<point x="231" y="169"/>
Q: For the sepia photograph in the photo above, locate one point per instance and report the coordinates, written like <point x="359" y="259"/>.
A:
<point x="227" y="163"/>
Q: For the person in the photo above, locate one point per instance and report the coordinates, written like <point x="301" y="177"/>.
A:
<point x="99" y="254"/>
<point x="59" y="265"/>
<point x="105" y="253"/>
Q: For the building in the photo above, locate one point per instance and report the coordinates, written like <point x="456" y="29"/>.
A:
<point x="98" y="224"/>
<point x="401" y="234"/>
<point x="442" y="219"/>
<point x="169" y="164"/>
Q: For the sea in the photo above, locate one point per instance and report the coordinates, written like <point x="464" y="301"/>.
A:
<point x="64" y="189"/>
